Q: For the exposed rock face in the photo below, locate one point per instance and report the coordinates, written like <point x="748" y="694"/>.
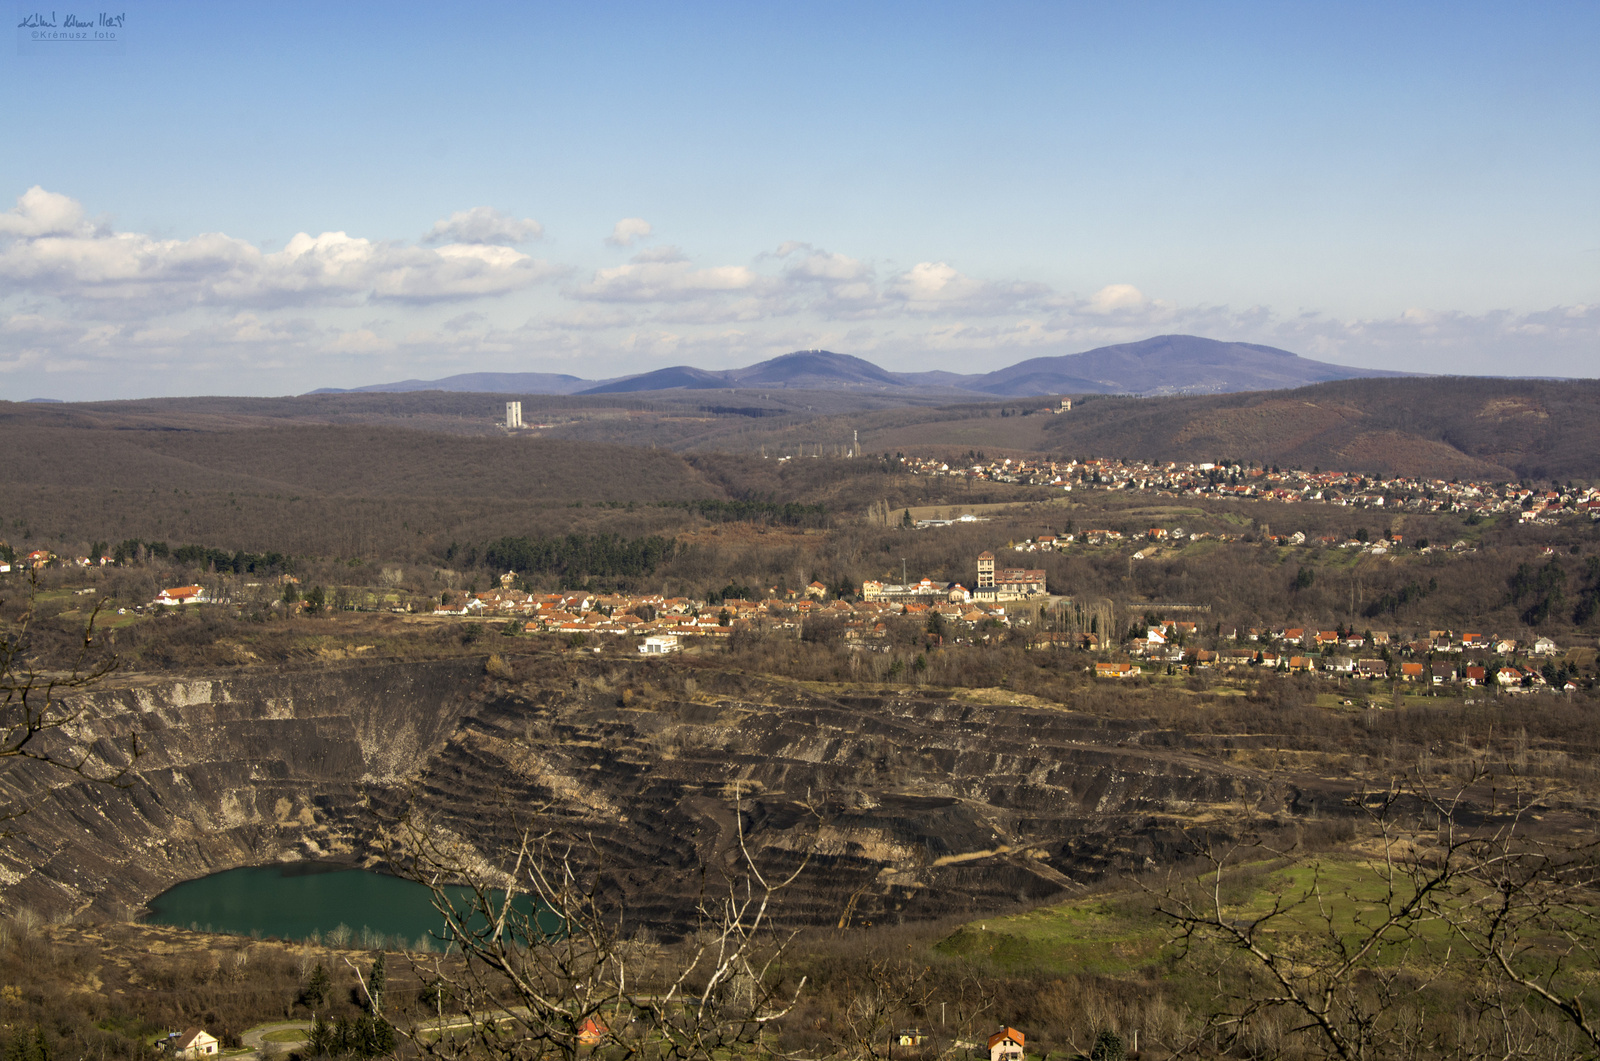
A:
<point x="911" y="805"/>
<point x="232" y="771"/>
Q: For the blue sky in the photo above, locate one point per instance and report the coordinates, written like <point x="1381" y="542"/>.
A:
<point x="259" y="198"/>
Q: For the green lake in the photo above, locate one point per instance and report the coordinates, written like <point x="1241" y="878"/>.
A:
<point x="297" y="899"/>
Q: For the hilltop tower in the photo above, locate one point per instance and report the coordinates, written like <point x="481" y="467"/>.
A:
<point x="986" y="570"/>
<point x="513" y="415"/>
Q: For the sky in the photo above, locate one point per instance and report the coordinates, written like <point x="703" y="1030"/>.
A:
<point x="258" y="198"/>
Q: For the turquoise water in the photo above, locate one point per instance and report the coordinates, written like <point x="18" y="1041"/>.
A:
<point x="299" y="899"/>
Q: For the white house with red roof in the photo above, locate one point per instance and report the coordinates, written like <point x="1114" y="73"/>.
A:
<point x="1006" y="1045"/>
<point x="171" y="598"/>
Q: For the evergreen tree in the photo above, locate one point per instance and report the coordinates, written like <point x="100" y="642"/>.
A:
<point x="343" y="1037"/>
<point x="315" y="993"/>
<point x="319" y="1043"/>
<point x="1108" y="1046"/>
<point x="363" y="1039"/>
<point x="376" y="984"/>
<point x="383" y="1037"/>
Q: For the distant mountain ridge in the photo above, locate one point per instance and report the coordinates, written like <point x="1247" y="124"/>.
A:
<point x="476" y="383"/>
<point x="1163" y="364"/>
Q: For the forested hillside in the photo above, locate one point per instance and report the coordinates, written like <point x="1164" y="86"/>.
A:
<point x="1522" y="429"/>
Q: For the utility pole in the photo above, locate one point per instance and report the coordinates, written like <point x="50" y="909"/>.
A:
<point x="903" y="580"/>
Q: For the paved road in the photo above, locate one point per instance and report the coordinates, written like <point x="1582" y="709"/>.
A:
<point x="253" y="1040"/>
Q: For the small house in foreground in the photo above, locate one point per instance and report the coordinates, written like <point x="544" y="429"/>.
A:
<point x="1006" y="1045"/>
<point x="194" y="1044"/>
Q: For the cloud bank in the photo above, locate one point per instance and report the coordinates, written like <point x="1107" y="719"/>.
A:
<point x="48" y="248"/>
<point x="128" y="310"/>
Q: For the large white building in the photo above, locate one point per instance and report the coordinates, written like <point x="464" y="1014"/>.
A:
<point x="660" y="645"/>
<point x="513" y="415"/>
<point x="1011" y="583"/>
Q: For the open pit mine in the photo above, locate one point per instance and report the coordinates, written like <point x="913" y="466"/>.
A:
<point x="906" y="806"/>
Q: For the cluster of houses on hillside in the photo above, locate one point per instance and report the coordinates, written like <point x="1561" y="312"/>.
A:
<point x="1175" y="479"/>
<point x="1371" y="654"/>
<point x="655" y="615"/>
<point x="41" y="558"/>
<point x="652" y="615"/>
<point x="1176" y="536"/>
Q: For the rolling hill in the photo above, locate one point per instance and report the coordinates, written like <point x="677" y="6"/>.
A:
<point x="1435" y="426"/>
<point x="1441" y="427"/>
<point x="477" y="383"/>
<point x="1165" y="364"/>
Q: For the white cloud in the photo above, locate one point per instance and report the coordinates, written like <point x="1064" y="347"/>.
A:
<point x="822" y="266"/>
<point x="82" y="301"/>
<point x="937" y="287"/>
<point x="483" y="224"/>
<point x="42" y="213"/>
<point x="59" y="255"/>
<point x="1559" y="341"/>
<point x="665" y="282"/>
<point x="1115" y="297"/>
<point x="933" y="282"/>
<point x="625" y="232"/>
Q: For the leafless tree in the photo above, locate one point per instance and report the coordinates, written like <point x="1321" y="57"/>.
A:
<point x="540" y="964"/>
<point x="1460" y="896"/>
<point x="1528" y="917"/>
<point x="38" y="719"/>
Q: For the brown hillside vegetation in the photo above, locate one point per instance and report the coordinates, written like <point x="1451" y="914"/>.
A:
<point x="347" y="460"/>
<point x="1539" y="429"/>
<point x="1443" y="427"/>
<point x="318" y="489"/>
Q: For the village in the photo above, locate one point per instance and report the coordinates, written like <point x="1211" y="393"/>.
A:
<point x="1233" y="481"/>
<point x="1002" y="604"/>
<point x="1440" y="658"/>
<point x="1016" y="600"/>
<point x="664" y="621"/>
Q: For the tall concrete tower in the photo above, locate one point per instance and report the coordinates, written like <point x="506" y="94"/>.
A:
<point x="986" y="570"/>
<point x="513" y="415"/>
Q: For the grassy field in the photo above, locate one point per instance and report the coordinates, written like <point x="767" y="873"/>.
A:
<point x="1121" y="934"/>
